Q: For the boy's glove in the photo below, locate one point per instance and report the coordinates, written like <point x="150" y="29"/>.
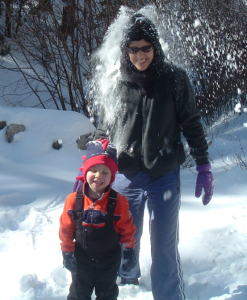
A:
<point x="129" y="259"/>
<point x="204" y="180"/>
<point x="69" y="262"/>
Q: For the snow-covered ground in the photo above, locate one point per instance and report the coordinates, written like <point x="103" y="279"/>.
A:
<point x="35" y="179"/>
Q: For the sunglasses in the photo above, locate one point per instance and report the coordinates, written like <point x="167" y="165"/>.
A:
<point x="143" y="49"/>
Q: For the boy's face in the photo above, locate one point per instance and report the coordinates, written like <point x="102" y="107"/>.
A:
<point x="98" y="178"/>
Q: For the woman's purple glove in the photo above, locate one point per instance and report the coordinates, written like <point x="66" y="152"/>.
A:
<point x="204" y="180"/>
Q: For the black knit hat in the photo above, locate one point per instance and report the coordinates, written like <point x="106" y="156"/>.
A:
<point x="140" y="28"/>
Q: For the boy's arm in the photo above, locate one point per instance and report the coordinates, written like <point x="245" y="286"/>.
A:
<point x="67" y="225"/>
<point x="124" y="226"/>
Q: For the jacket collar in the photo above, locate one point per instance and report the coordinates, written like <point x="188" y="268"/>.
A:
<point x="85" y="189"/>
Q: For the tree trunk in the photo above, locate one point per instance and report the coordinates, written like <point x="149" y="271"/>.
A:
<point x="8" y="19"/>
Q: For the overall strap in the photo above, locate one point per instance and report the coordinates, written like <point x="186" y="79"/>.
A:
<point x="79" y="206"/>
<point x="79" y="201"/>
<point x="112" y="202"/>
<point x="110" y="210"/>
<point x="77" y="212"/>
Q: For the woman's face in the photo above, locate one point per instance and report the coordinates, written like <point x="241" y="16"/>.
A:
<point x="141" y="60"/>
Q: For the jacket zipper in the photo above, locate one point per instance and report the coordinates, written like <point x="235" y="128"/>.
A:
<point x="93" y="204"/>
<point x="143" y="98"/>
<point x="141" y="125"/>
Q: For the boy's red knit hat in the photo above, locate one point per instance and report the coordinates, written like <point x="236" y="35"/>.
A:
<point x="99" y="152"/>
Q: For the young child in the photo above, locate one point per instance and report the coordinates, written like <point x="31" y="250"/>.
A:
<point x="94" y="222"/>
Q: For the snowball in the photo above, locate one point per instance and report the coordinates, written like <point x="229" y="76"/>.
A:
<point x="197" y="23"/>
<point x="167" y="195"/>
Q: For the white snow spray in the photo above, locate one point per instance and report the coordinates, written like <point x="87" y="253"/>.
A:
<point x="106" y="65"/>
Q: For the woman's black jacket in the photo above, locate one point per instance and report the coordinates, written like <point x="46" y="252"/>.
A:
<point x="147" y="131"/>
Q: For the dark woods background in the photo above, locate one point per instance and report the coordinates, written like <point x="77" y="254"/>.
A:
<point x="54" y="40"/>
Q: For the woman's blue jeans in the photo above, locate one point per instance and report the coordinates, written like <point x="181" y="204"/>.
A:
<point x="163" y="201"/>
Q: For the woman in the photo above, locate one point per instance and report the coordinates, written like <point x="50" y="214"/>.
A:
<point x="157" y="104"/>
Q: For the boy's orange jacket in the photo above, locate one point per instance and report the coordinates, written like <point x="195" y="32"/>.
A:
<point x="123" y="223"/>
